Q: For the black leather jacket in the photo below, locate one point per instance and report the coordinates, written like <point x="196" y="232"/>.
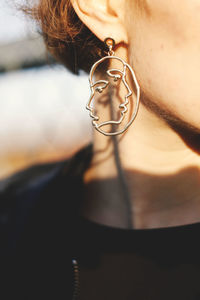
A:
<point x="38" y="211"/>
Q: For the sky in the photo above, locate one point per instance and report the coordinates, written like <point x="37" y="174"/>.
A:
<point x="55" y="112"/>
<point x="13" y="25"/>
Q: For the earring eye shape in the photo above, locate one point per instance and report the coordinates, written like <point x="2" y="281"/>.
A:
<point x="99" y="89"/>
<point x="114" y="73"/>
<point x="100" y="85"/>
<point x="117" y="77"/>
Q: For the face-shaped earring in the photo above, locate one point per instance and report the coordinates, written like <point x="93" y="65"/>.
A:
<point x="100" y="85"/>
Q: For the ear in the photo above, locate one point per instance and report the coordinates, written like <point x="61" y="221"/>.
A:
<point x="105" y="18"/>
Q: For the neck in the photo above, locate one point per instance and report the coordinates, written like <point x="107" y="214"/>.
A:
<point x="160" y="169"/>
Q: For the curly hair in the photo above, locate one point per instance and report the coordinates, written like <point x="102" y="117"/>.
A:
<point x="65" y="36"/>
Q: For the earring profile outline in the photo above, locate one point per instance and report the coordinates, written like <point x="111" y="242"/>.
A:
<point x="110" y="45"/>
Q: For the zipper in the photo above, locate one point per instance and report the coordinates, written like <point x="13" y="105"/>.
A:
<point x="76" y="278"/>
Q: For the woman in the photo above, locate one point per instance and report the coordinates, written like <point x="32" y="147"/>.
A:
<point x="121" y="218"/>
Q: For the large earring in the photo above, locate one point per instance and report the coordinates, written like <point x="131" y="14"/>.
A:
<point x="100" y="85"/>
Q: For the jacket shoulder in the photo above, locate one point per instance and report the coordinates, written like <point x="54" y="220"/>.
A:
<point x="34" y="176"/>
<point x="25" y="189"/>
<point x="40" y="175"/>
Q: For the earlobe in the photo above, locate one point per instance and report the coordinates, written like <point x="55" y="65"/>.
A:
<point x="101" y="18"/>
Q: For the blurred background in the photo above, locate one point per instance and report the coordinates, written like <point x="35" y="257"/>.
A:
<point x="42" y="106"/>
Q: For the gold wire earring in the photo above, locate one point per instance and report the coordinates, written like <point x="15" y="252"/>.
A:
<point x="100" y="85"/>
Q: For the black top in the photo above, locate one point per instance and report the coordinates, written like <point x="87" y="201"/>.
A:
<point x="42" y="233"/>
<point x="158" y="264"/>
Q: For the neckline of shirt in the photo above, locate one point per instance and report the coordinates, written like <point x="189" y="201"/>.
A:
<point x="104" y="227"/>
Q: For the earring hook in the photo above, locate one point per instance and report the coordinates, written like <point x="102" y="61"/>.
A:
<point x="110" y="45"/>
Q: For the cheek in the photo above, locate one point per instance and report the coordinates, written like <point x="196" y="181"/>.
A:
<point x="165" y="54"/>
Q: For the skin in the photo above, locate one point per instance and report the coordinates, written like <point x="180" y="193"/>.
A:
<point x="160" y="151"/>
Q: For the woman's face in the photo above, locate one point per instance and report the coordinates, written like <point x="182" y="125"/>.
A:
<point x="165" y="54"/>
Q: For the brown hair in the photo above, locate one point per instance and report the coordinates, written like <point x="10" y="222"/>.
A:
<point x="65" y="36"/>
